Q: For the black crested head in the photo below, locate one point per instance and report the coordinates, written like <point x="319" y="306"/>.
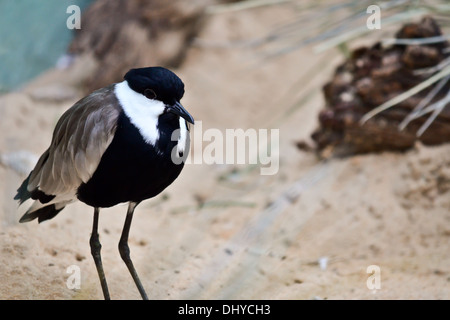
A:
<point x="156" y="83"/>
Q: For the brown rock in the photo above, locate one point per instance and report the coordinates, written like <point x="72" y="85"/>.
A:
<point x="372" y="76"/>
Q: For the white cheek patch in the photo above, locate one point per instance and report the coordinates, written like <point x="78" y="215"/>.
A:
<point x="143" y="112"/>
<point x="183" y="136"/>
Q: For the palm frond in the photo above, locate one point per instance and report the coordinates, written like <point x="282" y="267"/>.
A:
<point x="405" y="95"/>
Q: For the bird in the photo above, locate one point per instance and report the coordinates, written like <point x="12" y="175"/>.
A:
<point x="123" y="143"/>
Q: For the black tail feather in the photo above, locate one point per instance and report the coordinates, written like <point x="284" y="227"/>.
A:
<point x="22" y="193"/>
<point x="42" y="214"/>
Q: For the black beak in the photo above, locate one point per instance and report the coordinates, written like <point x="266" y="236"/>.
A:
<point x="179" y="110"/>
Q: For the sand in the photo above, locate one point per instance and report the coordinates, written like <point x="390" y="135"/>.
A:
<point x="226" y="231"/>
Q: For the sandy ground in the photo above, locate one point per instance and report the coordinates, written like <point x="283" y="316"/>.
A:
<point x="224" y="231"/>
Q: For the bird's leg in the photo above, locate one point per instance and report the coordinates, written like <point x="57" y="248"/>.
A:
<point x="125" y="250"/>
<point x="95" y="251"/>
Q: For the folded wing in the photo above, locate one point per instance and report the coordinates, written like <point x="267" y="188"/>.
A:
<point x="80" y="138"/>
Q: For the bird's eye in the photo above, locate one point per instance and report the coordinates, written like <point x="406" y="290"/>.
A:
<point x="149" y="93"/>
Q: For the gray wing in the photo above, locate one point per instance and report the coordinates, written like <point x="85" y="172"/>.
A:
<point x="80" y="138"/>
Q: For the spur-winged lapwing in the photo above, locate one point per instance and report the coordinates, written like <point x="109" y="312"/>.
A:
<point x="122" y="143"/>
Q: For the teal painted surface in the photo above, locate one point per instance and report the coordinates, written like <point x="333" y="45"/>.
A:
<point x="33" y="36"/>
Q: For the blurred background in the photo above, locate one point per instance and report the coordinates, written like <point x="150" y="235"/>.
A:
<point x="358" y="90"/>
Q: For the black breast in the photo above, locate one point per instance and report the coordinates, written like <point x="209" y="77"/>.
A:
<point x="131" y="169"/>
